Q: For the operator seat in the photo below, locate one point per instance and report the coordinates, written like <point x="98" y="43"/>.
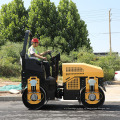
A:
<point x="33" y="64"/>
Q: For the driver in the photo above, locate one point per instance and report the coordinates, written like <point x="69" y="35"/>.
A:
<point x="34" y="54"/>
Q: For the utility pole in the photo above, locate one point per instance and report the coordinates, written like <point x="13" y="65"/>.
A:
<point x="110" y="31"/>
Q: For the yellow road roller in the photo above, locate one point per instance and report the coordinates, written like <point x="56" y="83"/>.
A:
<point x="81" y="81"/>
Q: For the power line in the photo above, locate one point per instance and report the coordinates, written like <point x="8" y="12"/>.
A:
<point x="95" y="21"/>
<point x="96" y="14"/>
<point x="102" y="10"/>
<point x="115" y="16"/>
<point x="115" y="19"/>
<point x="104" y="33"/>
<point x="93" y="16"/>
<point x="90" y="18"/>
<point x="111" y="33"/>
<point x="99" y="11"/>
<point x="115" y="9"/>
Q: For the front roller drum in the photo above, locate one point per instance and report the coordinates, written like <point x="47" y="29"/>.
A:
<point x="99" y="104"/>
<point x="34" y="106"/>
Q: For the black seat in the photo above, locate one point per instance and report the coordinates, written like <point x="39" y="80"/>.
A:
<point x="33" y="64"/>
<point x="26" y="56"/>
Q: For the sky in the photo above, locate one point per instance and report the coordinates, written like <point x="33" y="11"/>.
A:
<point x="95" y="13"/>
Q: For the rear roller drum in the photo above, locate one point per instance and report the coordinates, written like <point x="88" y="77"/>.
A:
<point x="100" y="103"/>
<point x="34" y="106"/>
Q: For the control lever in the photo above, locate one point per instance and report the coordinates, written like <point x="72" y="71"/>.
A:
<point x="50" y="54"/>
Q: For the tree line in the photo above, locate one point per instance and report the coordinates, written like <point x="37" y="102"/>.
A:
<point x="57" y="27"/>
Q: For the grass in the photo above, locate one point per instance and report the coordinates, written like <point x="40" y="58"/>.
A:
<point x="10" y="79"/>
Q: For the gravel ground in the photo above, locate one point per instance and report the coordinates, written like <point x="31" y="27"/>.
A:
<point x="112" y="93"/>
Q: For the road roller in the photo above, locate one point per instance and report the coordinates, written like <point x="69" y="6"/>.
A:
<point x="82" y="82"/>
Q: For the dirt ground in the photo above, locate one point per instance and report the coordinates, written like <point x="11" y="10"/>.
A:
<point x="7" y="93"/>
<point x="3" y="83"/>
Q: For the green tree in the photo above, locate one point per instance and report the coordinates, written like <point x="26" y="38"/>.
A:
<point x="45" y="41"/>
<point x="85" y="55"/>
<point x="13" y="20"/>
<point x="57" y="44"/>
<point x="60" y="43"/>
<point x="2" y="41"/>
<point x="43" y="18"/>
<point x="71" y="27"/>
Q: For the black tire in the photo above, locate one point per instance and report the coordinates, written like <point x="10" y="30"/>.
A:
<point x="99" y="104"/>
<point x="34" y="106"/>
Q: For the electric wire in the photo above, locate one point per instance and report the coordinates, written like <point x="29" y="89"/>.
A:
<point x="96" y="15"/>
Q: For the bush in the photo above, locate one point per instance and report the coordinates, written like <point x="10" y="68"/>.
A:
<point x="2" y="40"/>
<point x="85" y="55"/>
<point x="109" y="63"/>
<point x="9" y="59"/>
<point x="10" y="56"/>
<point x="9" y="69"/>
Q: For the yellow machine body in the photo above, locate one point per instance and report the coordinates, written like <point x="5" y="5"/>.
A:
<point x="74" y="72"/>
<point x="37" y="89"/>
<point x="80" y="70"/>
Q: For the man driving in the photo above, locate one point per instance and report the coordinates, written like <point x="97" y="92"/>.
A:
<point x="34" y="54"/>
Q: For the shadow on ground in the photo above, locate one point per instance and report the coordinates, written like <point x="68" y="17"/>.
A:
<point x="53" y="107"/>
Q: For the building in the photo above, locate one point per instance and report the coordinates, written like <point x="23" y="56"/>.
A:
<point x="105" y="53"/>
